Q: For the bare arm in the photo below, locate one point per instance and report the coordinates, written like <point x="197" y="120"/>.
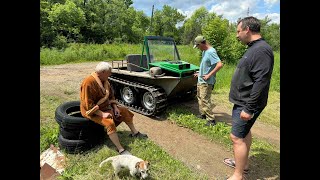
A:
<point x="214" y="71"/>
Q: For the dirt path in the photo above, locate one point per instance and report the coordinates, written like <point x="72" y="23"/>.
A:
<point x="194" y="150"/>
<point x="191" y="148"/>
<point x="259" y="130"/>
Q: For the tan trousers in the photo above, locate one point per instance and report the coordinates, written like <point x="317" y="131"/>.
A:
<point x="204" y="100"/>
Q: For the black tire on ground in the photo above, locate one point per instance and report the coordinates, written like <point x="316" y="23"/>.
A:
<point x="87" y="134"/>
<point x="80" y="134"/>
<point x="75" y="127"/>
<point x="68" y="115"/>
<point x="73" y="146"/>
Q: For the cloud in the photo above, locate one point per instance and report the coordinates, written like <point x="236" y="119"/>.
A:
<point x="271" y="2"/>
<point x="231" y="9"/>
<point x="234" y="9"/>
<point x="275" y="17"/>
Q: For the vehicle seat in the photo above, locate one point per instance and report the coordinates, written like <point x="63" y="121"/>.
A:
<point x="133" y="61"/>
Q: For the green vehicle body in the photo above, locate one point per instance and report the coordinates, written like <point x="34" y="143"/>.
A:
<point x="132" y="79"/>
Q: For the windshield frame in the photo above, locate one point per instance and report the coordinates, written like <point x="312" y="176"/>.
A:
<point x="158" y="45"/>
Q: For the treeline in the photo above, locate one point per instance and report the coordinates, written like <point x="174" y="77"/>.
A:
<point x="116" y="21"/>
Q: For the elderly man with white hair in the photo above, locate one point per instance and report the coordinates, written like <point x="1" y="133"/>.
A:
<point x="97" y="103"/>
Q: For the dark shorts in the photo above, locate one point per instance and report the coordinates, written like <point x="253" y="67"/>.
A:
<point x="240" y="128"/>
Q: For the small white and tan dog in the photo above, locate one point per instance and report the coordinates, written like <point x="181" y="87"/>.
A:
<point x="136" y="166"/>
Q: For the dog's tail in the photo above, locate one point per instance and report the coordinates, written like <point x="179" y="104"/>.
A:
<point x="108" y="159"/>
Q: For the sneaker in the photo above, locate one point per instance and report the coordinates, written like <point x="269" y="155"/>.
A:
<point x="211" y="123"/>
<point x="138" y="135"/>
<point x="201" y="116"/>
<point x="125" y="152"/>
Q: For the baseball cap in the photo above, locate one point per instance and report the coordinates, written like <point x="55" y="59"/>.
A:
<point x="198" y="40"/>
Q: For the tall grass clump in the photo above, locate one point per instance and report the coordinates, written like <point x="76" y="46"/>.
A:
<point x="49" y="128"/>
<point x="224" y="75"/>
<point x="220" y="132"/>
<point x="275" y="78"/>
<point x="189" y="54"/>
<point x="182" y="117"/>
<point x="77" y="52"/>
<point x="48" y="135"/>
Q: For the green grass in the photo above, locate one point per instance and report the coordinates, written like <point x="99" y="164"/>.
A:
<point x="270" y="115"/>
<point x="51" y="103"/>
<point x="225" y="74"/>
<point x="86" y="166"/>
<point x="48" y="134"/>
<point x="106" y="52"/>
<point x="219" y="133"/>
<point x="182" y="117"/>
<point x="87" y="52"/>
<point x="275" y="79"/>
<point x="263" y="153"/>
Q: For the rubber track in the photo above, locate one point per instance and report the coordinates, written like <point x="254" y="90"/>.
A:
<point x="157" y="92"/>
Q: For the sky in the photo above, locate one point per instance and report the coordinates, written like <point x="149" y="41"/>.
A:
<point x="229" y="9"/>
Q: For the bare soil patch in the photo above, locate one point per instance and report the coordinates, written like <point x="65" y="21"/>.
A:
<point x="196" y="151"/>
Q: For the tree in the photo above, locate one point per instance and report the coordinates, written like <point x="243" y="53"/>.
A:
<point x="107" y="20"/>
<point x="271" y="33"/>
<point x="67" y="19"/>
<point x="165" y="22"/>
<point x="232" y="50"/>
<point x="216" y="30"/>
<point x="192" y="26"/>
<point x="46" y="33"/>
<point x="140" y="27"/>
<point x="128" y="3"/>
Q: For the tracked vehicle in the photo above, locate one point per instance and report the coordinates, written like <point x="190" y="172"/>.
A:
<point x="146" y="83"/>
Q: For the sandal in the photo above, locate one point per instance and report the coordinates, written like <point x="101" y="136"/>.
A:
<point x="138" y="135"/>
<point x="231" y="163"/>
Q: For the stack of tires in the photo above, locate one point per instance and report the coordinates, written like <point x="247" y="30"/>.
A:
<point x="76" y="133"/>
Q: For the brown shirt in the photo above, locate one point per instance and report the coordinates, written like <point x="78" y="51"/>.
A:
<point x="91" y="93"/>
